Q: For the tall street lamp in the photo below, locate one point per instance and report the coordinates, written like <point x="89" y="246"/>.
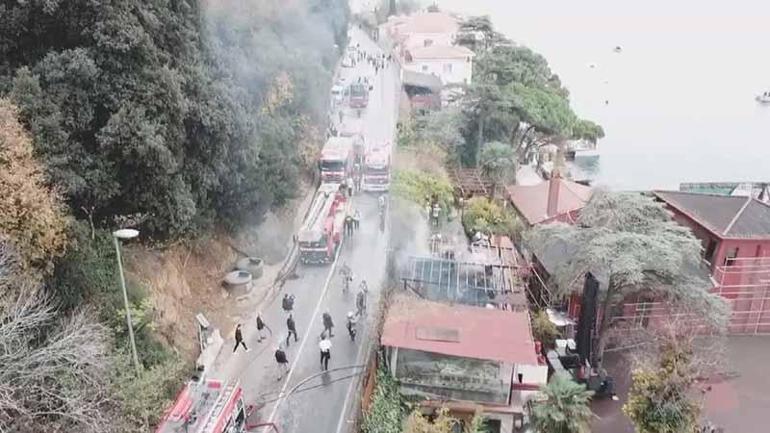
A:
<point x="116" y="236"/>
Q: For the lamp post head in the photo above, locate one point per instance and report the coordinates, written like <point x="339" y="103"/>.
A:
<point x="125" y="233"/>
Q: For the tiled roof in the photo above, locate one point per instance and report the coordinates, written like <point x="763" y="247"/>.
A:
<point x="726" y="216"/>
<point x="427" y="22"/>
<point x="418" y="79"/>
<point x="532" y="200"/>
<point x="459" y="330"/>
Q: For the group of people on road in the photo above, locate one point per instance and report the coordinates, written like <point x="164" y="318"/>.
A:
<point x="352" y="222"/>
<point x="324" y="345"/>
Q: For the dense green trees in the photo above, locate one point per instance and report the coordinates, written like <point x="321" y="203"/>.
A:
<point x="176" y="114"/>
<point x="157" y="109"/>
<point x="515" y="98"/>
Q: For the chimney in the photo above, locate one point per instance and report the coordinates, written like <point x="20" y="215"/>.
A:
<point x="553" y="194"/>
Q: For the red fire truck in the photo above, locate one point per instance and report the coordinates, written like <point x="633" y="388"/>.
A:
<point x="359" y="95"/>
<point x="336" y="160"/>
<point x="377" y="169"/>
<point x="322" y="232"/>
<point x="207" y="406"/>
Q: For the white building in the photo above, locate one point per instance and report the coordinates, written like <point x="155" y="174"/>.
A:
<point x="422" y="28"/>
<point x="452" y="64"/>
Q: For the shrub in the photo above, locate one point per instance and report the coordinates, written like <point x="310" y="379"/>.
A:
<point x="31" y="214"/>
<point x="544" y="330"/>
<point x="418" y="186"/>
<point x="386" y="413"/>
<point x="486" y="216"/>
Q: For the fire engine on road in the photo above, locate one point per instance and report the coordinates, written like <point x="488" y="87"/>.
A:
<point x="336" y="159"/>
<point x="206" y="406"/>
<point x="377" y="169"/>
<point x="322" y="232"/>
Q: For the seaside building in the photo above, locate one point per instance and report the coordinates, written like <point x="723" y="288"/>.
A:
<point x="734" y="231"/>
<point x="424" y="43"/>
<point x="463" y="358"/>
<point x="557" y="199"/>
<point x="421" y="29"/>
<point x="452" y="64"/>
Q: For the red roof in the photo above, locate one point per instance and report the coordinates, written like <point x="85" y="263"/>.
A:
<point x="532" y="200"/>
<point x="459" y="330"/>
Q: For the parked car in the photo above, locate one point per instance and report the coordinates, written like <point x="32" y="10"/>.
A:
<point x="338" y="93"/>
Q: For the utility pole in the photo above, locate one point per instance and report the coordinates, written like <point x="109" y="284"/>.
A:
<point x="116" y="236"/>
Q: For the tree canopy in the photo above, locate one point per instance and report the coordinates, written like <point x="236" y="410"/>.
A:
<point x="564" y="407"/>
<point x="32" y="216"/>
<point x="634" y="247"/>
<point x="165" y="110"/>
<point x="660" y="399"/>
<point x="515" y="98"/>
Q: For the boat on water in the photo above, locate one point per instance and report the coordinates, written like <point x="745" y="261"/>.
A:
<point x="764" y="98"/>
<point x="581" y="149"/>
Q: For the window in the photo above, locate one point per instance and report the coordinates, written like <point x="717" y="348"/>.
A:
<point x="447" y="68"/>
<point x="427" y="42"/>
<point x="730" y="256"/>
<point x="425" y="68"/>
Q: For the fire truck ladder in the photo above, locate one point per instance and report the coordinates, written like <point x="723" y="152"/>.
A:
<point x="317" y="210"/>
<point x="216" y="411"/>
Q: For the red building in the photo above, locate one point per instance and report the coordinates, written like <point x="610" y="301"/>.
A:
<point x="557" y="199"/>
<point x="735" y="234"/>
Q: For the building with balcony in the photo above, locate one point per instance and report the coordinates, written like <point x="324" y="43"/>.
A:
<point x="735" y="235"/>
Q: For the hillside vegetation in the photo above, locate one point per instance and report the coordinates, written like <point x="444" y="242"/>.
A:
<point x="173" y="116"/>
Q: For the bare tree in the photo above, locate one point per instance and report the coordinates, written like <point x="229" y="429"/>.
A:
<point x="54" y="369"/>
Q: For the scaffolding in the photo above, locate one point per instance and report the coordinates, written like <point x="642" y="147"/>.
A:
<point x="744" y="283"/>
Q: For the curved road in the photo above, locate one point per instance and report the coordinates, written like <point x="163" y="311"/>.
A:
<point x="321" y="401"/>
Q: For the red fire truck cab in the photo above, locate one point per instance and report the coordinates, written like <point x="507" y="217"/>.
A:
<point x="206" y="406"/>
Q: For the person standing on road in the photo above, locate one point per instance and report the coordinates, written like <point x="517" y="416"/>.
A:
<point x="356" y="219"/>
<point x="360" y="302"/>
<point x="292" y="329"/>
<point x="351" y="325"/>
<point x="350" y="186"/>
<point x="239" y="338"/>
<point x="260" y="327"/>
<point x="282" y="360"/>
<point x="326" y="351"/>
<point x="328" y="324"/>
<point x="287" y="303"/>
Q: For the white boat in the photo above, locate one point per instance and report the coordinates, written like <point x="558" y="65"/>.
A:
<point x="764" y="98"/>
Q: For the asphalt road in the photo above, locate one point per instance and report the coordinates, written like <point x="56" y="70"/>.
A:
<point x="306" y="400"/>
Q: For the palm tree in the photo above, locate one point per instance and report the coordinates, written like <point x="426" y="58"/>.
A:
<point x="498" y="163"/>
<point x="564" y="407"/>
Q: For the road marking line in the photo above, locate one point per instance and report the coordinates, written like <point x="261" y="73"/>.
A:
<point x="281" y="395"/>
<point x="342" y="416"/>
